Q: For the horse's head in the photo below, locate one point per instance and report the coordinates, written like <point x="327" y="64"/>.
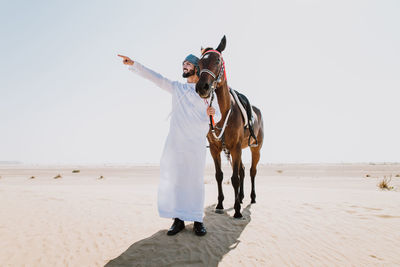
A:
<point x="211" y="66"/>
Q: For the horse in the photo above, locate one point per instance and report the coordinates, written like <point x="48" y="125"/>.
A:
<point x="229" y="134"/>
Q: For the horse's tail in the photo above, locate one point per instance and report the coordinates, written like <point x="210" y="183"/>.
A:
<point x="228" y="155"/>
<point x="260" y="132"/>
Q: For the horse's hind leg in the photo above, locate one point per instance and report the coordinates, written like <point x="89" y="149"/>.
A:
<point x="241" y="189"/>
<point x="219" y="175"/>
<point x="255" y="157"/>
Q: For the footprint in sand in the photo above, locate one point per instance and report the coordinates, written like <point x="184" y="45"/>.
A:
<point x="385" y="216"/>
<point x="375" y="257"/>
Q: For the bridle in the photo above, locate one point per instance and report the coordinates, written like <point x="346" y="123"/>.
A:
<point x="217" y="79"/>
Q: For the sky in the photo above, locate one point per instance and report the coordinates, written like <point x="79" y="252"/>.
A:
<point x="325" y="74"/>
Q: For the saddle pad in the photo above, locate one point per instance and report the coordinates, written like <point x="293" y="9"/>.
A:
<point x="242" y="108"/>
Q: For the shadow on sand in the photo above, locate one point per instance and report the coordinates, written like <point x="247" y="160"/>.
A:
<point x="187" y="249"/>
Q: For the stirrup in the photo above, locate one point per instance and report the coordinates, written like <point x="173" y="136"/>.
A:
<point x="252" y="135"/>
<point x="255" y="138"/>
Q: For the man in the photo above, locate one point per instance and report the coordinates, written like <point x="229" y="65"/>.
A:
<point x="181" y="187"/>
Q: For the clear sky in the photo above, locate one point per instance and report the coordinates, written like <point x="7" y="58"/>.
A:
<point x="325" y="74"/>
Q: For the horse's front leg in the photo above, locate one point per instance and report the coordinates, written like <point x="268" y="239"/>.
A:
<point x="219" y="175"/>
<point x="241" y="178"/>
<point x="236" y="164"/>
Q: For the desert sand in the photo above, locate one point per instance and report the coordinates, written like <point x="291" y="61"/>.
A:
<point x="305" y="215"/>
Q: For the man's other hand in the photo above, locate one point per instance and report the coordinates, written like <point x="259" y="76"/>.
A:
<point x="210" y="111"/>
<point x="126" y="60"/>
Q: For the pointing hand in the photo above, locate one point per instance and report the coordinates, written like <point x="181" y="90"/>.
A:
<point x="126" y="60"/>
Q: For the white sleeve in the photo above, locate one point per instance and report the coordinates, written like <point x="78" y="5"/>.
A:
<point x="153" y="76"/>
<point x="217" y="116"/>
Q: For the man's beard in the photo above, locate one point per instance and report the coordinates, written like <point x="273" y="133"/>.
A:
<point x="188" y="74"/>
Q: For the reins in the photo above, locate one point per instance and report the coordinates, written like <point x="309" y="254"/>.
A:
<point x="217" y="79"/>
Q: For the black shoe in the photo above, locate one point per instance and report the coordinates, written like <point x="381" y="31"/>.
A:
<point x="199" y="229"/>
<point x="176" y="227"/>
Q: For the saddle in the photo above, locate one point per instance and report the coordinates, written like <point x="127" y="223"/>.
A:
<point x="247" y="112"/>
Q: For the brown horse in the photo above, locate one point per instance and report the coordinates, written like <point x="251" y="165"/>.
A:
<point x="234" y="137"/>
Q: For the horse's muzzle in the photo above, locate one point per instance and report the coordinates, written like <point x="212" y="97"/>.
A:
<point x="203" y="90"/>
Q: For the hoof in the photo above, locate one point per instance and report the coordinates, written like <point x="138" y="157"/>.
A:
<point x="219" y="211"/>
<point x="237" y="215"/>
<point x="253" y="201"/>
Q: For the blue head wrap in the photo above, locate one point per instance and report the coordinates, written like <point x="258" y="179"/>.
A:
<point x="194" y="60"/>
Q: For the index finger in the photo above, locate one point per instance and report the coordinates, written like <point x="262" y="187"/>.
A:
<point x="123" y="56"/>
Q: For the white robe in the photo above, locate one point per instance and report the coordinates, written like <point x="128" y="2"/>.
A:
<point x="181" y="186"/>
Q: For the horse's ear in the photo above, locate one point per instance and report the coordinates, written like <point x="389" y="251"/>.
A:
<point x="222" y="44"/>
<point x="202" y="50"/>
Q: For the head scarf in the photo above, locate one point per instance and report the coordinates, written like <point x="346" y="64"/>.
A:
<point x="194" y="60"/>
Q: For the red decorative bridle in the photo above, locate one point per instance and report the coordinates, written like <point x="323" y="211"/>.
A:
<point x="217" y="79"/>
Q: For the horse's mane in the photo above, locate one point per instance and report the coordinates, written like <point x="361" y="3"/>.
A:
<point x="204" y="50"/>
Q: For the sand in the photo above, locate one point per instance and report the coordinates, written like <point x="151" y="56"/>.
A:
<point x="305" y="215"/>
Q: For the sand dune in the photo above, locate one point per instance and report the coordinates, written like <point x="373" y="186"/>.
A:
<point x="305" y="215"/>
